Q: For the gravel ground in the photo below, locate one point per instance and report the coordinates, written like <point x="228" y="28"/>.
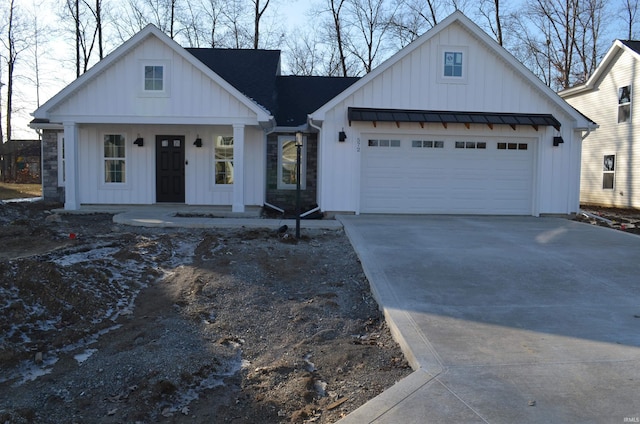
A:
<point x="101" y="323"/>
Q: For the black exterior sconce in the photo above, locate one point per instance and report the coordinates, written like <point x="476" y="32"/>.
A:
<point x="557" y="141"/>
<point x="198" y="142"/>
<point x="342" y="136"/>
<point x="139" y="142"/>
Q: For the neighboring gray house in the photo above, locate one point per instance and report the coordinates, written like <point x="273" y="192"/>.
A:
<point x="452" y="123"/>
<point x="611" y="155"/>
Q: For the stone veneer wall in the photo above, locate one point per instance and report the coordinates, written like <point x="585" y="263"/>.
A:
<point x="51" y="192"/>
<point x="286" y="199"/>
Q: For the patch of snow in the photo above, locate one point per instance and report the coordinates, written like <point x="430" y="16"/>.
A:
<point x="81" y="357"/>
<point x="29" y="371"/>
<point x="90" y="255"/>
<point x="23" y="200"/>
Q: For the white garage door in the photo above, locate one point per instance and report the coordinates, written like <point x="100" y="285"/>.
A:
<point x="451" y="176"/>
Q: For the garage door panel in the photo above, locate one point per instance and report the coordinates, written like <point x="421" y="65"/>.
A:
<point x="447" y="180"/>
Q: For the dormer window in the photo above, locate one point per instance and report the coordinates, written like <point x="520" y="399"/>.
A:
<point x="154" y="78"/>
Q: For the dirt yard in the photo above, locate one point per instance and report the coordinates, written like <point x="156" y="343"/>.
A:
<point x="101" y="323"/>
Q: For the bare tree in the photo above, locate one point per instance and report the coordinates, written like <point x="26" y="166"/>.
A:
<point x="88" y="30"/>
<point x="629" y="13"/>
<point x="305" y="54"/>
<point x="258" y="13"/>
<point x="587" y="37"/>
<point x="335" y="7"/>
<point x="15" y="43"/>
<point x="234" y="15"/>
<point x="372" y="21"/>
<point x="560" y="39"/>
<point x="490" y="10"/>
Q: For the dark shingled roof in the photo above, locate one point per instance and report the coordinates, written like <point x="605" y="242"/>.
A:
<point x="299" y="96"/>
<point x="252" y="72"/>
<point x="256" y="74"/>
<point x="632" y="44"/>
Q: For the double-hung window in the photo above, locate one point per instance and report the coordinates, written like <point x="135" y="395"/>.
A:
<point x="287" y="163"/>
<point x="608" y="172"/>
<point x="624" y="104"/>
<point x="223" y="152"/>
<point x="114" y="158"/>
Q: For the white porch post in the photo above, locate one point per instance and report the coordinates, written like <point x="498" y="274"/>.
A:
<point x="238" y="168"/>
<point x="71" y="189"/>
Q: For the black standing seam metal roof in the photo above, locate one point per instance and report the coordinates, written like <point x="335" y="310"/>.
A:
<point x="451" y="117"/>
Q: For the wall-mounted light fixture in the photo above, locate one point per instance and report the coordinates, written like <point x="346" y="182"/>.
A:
<point x="342" y="136"/>
<point x="557" y="140"/>
<point x="198" y="142"/>
<point x="139" y="141"/>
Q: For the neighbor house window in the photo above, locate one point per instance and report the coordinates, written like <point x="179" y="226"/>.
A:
<point x="287" y="169"/>
<point x="114" y="158"/>
<point x="452" y="64"/>
<point x="608" y="171"/>
<point x="153" y="78"/>
<point x="223" y="152"/>
<point x="624" y="104"/>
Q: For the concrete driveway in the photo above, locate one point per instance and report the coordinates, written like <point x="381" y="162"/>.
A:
<point x="505" y="319"/>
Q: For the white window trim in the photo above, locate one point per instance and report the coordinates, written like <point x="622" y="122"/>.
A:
<point x="166" y="78"/>
<point x="303" y="164"/>
<point x="630" y="103"/>
<point x="465" y="64"/>
<point x="215" y="142"/>
<point x="127" y="153"/>
<point x="615" y="165"/>
<point x="61" y="160"/>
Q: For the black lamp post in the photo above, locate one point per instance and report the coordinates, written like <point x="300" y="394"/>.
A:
<point x="298" y="150"/>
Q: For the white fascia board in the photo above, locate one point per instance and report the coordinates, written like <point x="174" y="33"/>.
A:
<point x="153" y="120"/>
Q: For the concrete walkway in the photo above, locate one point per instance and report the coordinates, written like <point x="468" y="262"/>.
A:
<point x="505" y="319"/>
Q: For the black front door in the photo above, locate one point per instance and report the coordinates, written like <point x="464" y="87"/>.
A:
<point x="170" y="168"/>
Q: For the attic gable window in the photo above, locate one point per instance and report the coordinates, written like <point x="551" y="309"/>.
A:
<point x="452" y="64"/>
<point x="154" y="78"/>
<point x="624" y="104"/>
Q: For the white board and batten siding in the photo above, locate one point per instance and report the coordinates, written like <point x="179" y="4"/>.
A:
<point x="140" y="165"/>
<point x="195" y="103"/>
<point x="117" y="95"/>
<point x="600" y="103"/>
<point x="540" y="180"/>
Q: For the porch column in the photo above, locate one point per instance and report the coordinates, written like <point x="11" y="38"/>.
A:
<point x="71" y="189"/>
<point x="238" y="168"/>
